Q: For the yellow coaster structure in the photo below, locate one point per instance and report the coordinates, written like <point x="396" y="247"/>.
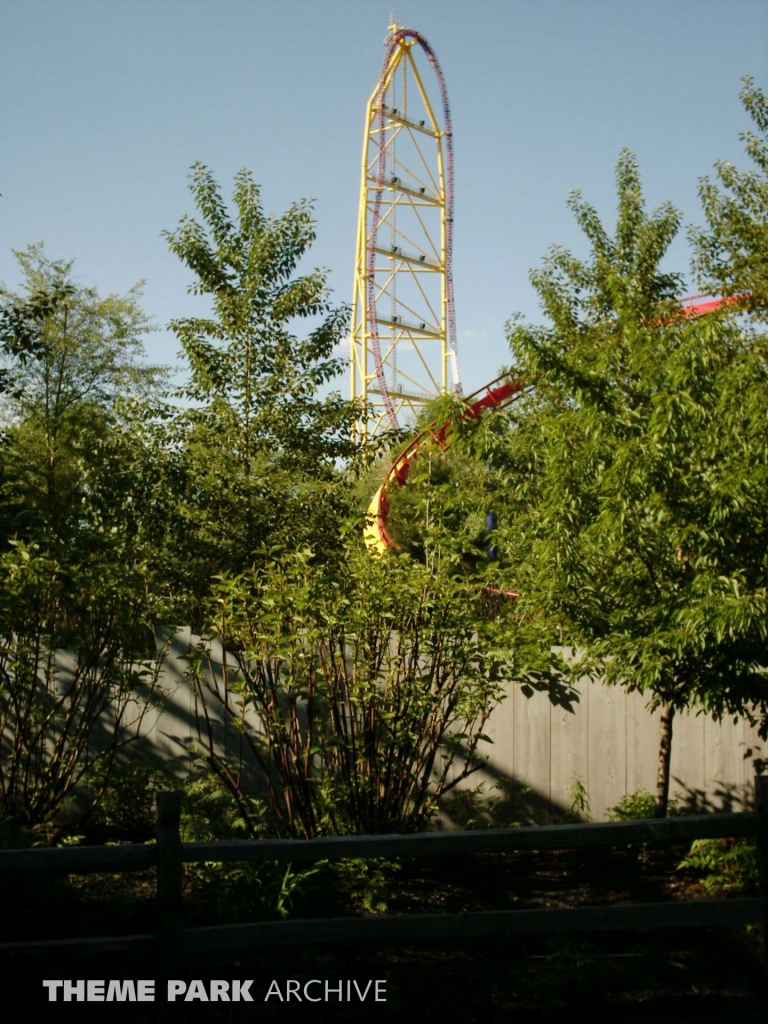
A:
<point x="403" y="343"/>
<point x="496" y="395"/>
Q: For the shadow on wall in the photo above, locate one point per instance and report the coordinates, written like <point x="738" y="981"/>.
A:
<point x="498" y="800"/>
<point x="180" y="734"/>
<point x="556" y="754"/>
<point x="506" y="803"/>
<point x="559" y="693"/>
<point x="726" y="798"/>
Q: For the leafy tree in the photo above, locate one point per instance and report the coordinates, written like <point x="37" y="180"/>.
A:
<point x="731" y="253"/>
<point x="67" y="406"/>
<point x="257" y="443"/>
<point x="21" y="323"/>
<point x="443" y="511"/>
<point x="76" y="571"/>
<point x="78" y="672"/>
<point x="636" y="473"/>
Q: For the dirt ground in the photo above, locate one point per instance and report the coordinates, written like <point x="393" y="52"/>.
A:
<point x="711" y="975"/>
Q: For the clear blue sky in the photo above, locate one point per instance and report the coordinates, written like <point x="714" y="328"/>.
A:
<point x="108" y="102"/>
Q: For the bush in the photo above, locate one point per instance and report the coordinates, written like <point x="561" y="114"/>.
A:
<point x="361" y="690"/>
<point x="79" y="669"/>
<point x="127" y="808"/>
<point x="729" y="865"/>
<point x="239" y="891"/>
<point x="636" y="806"/>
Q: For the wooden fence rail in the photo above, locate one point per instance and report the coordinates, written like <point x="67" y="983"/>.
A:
<point x="173" y="944"/>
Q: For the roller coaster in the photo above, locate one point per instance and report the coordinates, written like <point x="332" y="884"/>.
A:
<point x="403" y="341"/>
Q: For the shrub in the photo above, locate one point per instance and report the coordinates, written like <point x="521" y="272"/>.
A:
<point x="361" y="691"/>
<point x="729" y="865"/>
<point x="635" y="806"/>
<point x="79" y="670"/>
<point x="265" y="891"/>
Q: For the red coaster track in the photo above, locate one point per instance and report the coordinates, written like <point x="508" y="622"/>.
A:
<point x="498" y="393"/>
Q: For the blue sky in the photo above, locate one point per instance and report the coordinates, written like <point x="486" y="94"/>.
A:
<point x="107" y="103"/>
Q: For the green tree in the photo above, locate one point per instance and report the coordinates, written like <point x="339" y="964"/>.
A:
<point x="731" y="253"/>
<point x="258" y="444"/>
<point x="443" y="510"/>
<point x="21" y="322"/>
<point x="79" y="669"/>
<point x="79" y="607"/>
<point x="636" y="473"/>
<point x="67" y="406"/>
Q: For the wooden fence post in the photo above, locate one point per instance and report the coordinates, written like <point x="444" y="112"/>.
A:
<point x="761" y="804"/>
<point x="170" y="942"/>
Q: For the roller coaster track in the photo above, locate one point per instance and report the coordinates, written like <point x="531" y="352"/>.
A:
<point x="495" y="395"/>
<point x="403" y="343"/>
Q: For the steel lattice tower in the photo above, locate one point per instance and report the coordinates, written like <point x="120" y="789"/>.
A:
<point x="403" y="344"/>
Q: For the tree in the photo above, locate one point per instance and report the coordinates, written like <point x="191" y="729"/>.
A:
<point x="21" y="323"/>
<point x="258" y="446"/>
<point x="731" y="253"/>
<point x="443" y="511"/>
<point x="79" y="669"/>
<point x="78" y="606"/>
<point x="636" y="474"/>
<point x="68" y="403"/>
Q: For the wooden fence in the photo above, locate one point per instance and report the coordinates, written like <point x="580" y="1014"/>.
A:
<point x="174" y="944"/>
<point x="607" y="737"/>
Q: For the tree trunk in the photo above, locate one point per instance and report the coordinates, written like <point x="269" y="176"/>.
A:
<point x="665" y="754"/>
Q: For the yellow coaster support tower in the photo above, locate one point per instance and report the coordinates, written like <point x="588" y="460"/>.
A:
<point x="403" y="344"/>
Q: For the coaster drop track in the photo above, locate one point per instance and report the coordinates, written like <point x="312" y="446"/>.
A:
<point x="403" y="342"/>
<point x="498" y="394"/>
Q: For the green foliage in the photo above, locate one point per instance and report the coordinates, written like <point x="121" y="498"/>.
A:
<point x="210" y="811"/>
<point x="126" y="808"/>
<point x="728" y="865"/>
<point x="77" y="602"/>
<point x="368" y="882"/>
<point x="442" y="508"/>
<point x="629" y="485"/>
<point x="731" y="253"/>
<point x="266" y="890"/>
<point x="256" y="445"/>
<point x="361" y="690"/>
<point x="635" y="473"/>
<point x="578" y="799"/>
<point x="445" y="505"/>
<point x="500" y="807"/>
<point x="65" y="430"/>
<point x="78" y="672"/>
<point x="635" y="807"/>
<point x="21" y="324"/>
<point x="242" y="891"/>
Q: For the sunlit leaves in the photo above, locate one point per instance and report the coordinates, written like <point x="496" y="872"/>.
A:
<point x="637" y="470"/>
<point x="258" y="445"/>
<point x="731" y="253"/>
<point x="363" y="686"/>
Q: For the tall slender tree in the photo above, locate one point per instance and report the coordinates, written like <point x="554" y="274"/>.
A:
<point x="77" y="359"/>
<point x="636" y="475"/>
<point x="75" y="556"/>
<point x="259" y="440"/>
